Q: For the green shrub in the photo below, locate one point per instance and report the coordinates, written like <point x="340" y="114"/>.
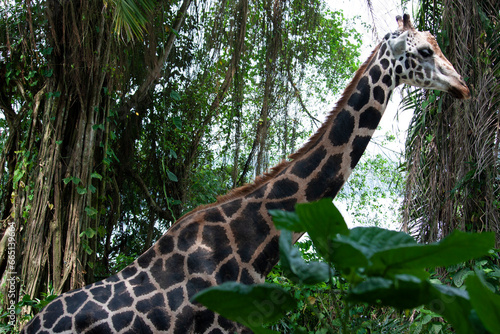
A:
<point x="37" y="304"/>
<point x="365" y="267"/>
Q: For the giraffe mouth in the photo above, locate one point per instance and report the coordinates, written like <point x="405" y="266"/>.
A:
<point x="460" y="92"/>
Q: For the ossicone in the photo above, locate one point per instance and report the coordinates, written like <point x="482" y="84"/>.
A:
<point x="404" y="23"/>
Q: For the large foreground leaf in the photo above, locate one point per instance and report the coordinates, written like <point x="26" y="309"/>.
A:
<point x="403" y="292"/>
<point x="250" y="305"/>
<point x="294" y="266"/>
<point x="321" y="220"/>
<point x="454" y="305"/>
<point x="406" y="292"/>
<point x="485" y="302"/>
<point x="287" y="220"/>
<point x="358" y="247"/>
<point x="456" y="248"/>
<point x="388" y="253"/>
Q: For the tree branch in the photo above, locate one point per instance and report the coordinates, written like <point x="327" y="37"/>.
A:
<point x="164" y="214"/>
<point x="154" y="74"/>
<point x="297" y="93"/>
<point x="9" y="113"/>
<point x="239" y="50"/>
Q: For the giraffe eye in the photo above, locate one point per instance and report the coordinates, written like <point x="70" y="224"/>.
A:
<point x="425" y="52"/>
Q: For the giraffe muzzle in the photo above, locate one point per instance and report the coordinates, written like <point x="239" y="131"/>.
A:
<point x="460" y="91"/>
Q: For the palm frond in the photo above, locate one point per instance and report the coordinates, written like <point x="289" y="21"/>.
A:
<point x="130" y="17"/>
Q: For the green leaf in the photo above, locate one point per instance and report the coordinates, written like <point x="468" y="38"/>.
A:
<point x="47" y="51"/>
<point x="107" y="161"/>
<point x="18" y="175"/>
<point x="98" y="126"/>
<point x="371" y="240"/>
<point x="177" y="122"/>
<point x="171" y="176"/>
<point x="286" y="220"/>
<point x="130" y="17"/>
<point x="322" y="221"/>
<point x="90" y="211"/>
<point x="81" y="190"/>
<point x="347" y="253"/>
<point x="92" y="189"/>
<point x="358" y="247"/>
<point x="172" y="154"/>
<point x="387" y="253"/>
<point x="455" y="248"/>
<point x="26" y="301"/>
<point x="175" y="96"/>
<point x="73" y="179"/>
<point x="404" y="292"/>
<point x="485" y="302"/>
<point x="459" y="278"/>
<point x="250" y="305"/>
<point x="454" y="305"/>
<point x="87" y="249"/>
<point x="294" y="266"/>
<point x="96" y="175"/>
<point x="89" y="233"/>
<point x="101" y="230"/>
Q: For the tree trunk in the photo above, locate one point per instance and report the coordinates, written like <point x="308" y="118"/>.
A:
<point x="61" y="168"/>
<point x="63" y="185"/>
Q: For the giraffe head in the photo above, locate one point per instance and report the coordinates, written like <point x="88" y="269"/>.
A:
<point x="419" y="61"/>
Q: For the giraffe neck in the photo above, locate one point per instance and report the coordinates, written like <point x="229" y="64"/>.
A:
<point x="235" y="238"/>
<point x="323" y="165"/>
<point x="317" y="170"/>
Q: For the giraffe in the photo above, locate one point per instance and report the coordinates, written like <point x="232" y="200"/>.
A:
<point x="234" y="239"/>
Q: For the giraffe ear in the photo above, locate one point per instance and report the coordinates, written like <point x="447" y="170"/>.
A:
<point x="398" y="44"/>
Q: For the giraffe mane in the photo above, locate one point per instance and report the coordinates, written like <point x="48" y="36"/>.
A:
<point x="262" y="179"/>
